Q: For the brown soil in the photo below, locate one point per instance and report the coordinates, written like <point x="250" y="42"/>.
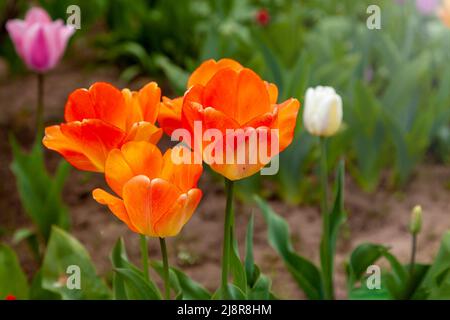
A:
<point x="380" y="217"/>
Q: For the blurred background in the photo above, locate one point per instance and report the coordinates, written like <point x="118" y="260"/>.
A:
<point x="394" y="81"/>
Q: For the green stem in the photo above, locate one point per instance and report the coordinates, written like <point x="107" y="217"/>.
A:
<point x="325" y="257"/>
<point x="413" y="254"/>
<point x="162" y="243"/>
<point x="227" y="231"/>
<point x="40" y="103"/>
<point x="144" y="256"/>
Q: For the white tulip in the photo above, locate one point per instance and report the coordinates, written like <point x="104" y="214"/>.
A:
<point x="322" y="114"/>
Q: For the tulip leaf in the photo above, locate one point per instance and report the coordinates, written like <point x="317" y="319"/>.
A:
<point x="12" y="278"/>
<point x="66" y="260"/>
<point x="124" y="288"/>
<point x="305" y="273"/>
<point x="182" y="284"/>
<point x="361" y="258"/>
<point x="260" y="290"/>
<point x="234" y="293"/>
<point x="249" y="260"/>
<point x="337" y="215"/>
<point x="436" y="284"/>
<point x="141" y="287"/>
<point x="37" y="292"/>
<point x="40" y="193"/>
<point x="237" y="269"/>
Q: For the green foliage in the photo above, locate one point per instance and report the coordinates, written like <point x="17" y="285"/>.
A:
<point x="128" y="281"/>
<point x="308" y="277"/>
<point x="12" y="278"/>
<point x="401" y="281"/>
<point x="436" y="283"/>
<point x="63" y="251"/>
<point x="40" y="193"/>
<point x="305" y="273"/>
<point x="185" y="288"/>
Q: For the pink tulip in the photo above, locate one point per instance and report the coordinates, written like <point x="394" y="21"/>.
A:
<point x="38" y="40"/>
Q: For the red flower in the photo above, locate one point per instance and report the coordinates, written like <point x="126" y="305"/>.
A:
<point x="263" y="17"/>
<point x="10" y="297"/>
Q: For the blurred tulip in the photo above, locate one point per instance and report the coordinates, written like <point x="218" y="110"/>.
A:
<point x="263" y="17"/>
<point x="101" y="119"/>
<point x="169" y="117"/>
<point x="444" y="13"/>
<point x="415" y="223"/>
<point x="427" y="7"/>
<point x="239" y="106"/>
<point x="157" y="196"/>
<point x="10" y="297"/>
<point x="322" y="114"/>
<point x="38" y="40"/>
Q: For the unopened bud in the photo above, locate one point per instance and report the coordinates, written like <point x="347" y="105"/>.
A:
<point x="415" y="223"/>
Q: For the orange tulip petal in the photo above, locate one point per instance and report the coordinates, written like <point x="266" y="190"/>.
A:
<point x="220" y="93"/>
<point x="149" y="97"/>
<point x="170" y="224"/>
<point x="84" y="144"/>
<point x="264" y="120"/>
<point x="245" y="156"/>
<point x="144" y="131"/>
<point x="184" y="175"/>
<point x="169" y="116"/>
<point x="210" y="67"/>
<point x="273" y="92"/>
<point x="114" y="204"/>
<point x="102" y="101"/>
<point x="134" y="158"/>
<point x="214" y="119"/>
<point x="242" y="96"/>
<point x="253" y="97"/>
<point x="192" y="107"/>
<point x="147" y="200"/>
<point x="287" y="120"/>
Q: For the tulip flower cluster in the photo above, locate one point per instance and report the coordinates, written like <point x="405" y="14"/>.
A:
<point x="113" y="132"/>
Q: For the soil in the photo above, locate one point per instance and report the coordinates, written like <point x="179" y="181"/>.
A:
<point x="381" y="217"/>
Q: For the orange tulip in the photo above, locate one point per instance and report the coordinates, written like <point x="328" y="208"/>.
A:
<point x="237" y="99"/>
<point x="169" y="117"/>
<point x="444" y="13"/>
<point x="156" y="196"/>
<point x="101" y="119"/>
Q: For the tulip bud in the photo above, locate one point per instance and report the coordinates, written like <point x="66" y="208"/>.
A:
<point x="415" y="223"/>
<point x="322" y="115"/>
<point x="38" y="40"/>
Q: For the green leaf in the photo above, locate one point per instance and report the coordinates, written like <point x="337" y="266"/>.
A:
<point x="234" y="292"/>
<point x="249" y="260"/>
<point x="12" y="278"/>
<point x="39" y="192"/>
<point x="360" y="259"/>
<point x="63" y="251"/>
<point x="261" y="289"/>
<point x="337" y="215"/>
<point x="32" y="240"/>
<point x="183" y="285"/>
<point x="237" y="269"/>
<point x="37" y="292"/>
<point x="364" y="293"/>
<point x="436" y="284"/>
<point x="123" y="287"/>
<point x="135" y="279"/>
<point x="306" y="274"/>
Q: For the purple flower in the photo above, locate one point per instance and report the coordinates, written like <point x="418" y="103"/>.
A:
<point x="38" y="40"/>
<point x="427" y="6"/>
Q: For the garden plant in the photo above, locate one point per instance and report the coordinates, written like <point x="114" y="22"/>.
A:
<point x="299" y="149"/>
